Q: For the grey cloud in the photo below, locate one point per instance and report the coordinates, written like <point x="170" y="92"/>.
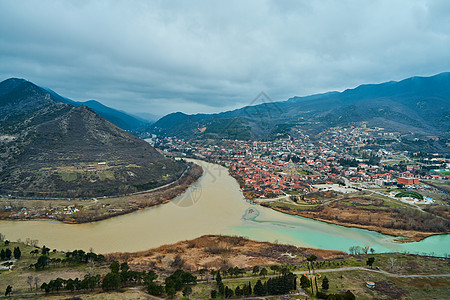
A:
<point x="207" y="56"/>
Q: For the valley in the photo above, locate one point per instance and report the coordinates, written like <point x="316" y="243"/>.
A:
<point x="72" y="180"/>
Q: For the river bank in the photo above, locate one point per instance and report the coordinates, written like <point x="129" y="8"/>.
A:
<point x="213" y="204"/>
<point x="366" y="211"/>
<point x="96" y="209"/>
<point x="404" y="236"/>
<point x="241" y="260"/>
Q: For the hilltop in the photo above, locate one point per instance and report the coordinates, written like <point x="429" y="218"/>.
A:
<point x="50" y="148"/>
<point x="418" y="106"/>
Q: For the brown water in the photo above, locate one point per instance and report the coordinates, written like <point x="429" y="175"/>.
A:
<point x="213" y="205"/>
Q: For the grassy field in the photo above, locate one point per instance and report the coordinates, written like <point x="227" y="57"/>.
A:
<point x="386" y="287"/>
<point x="21" y="270"/>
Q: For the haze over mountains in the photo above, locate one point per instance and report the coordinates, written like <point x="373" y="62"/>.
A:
<point x="417" y="105"/>
<point x="117" y="117"/>
<point x="50" y="148"/>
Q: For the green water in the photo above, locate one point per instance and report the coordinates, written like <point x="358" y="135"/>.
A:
<point x="213" y="205"/>
<point x="309" y="233"/>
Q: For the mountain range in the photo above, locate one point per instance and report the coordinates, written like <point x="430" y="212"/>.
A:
<point x="117" y="117"/>
<point x="50" y="147"/>
<point x="417" y="106"/>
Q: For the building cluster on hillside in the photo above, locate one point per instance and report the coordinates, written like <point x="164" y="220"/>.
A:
<point x="271" y="168"/>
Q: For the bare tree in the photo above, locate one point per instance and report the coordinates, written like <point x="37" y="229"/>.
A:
<point x="2" y="237"/>
<point x="30" y="282"/>
<point x="366" y="249"/>
<point x="392" y="261"/>
<point x="36" y="281"/>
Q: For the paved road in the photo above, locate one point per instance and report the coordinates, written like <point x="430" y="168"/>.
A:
<point x="348" y="183"/>
<point x="377" y="271"/>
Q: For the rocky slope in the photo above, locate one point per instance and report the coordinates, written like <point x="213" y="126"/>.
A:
<point x="53" y="149"/>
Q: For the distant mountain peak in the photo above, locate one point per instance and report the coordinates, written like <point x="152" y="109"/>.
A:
<point x="117" y="117"/>
<point x="418" y="104"/>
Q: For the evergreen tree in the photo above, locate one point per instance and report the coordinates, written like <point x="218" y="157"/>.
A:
<point x="238" y="291"/>
<point x="221" y="288"/>
<point x="218" y="277"/>
<point x="114" y="267"/>
<point x="370" y="261"/>
<point x="263" y="272"/>
<point x="245" y="291"/>
<point x="228" y="292"/>
<point x="2" y="254"/>
<point x="187" y="291"/>
<point x="259" y="288"/>
<point x="42" y="262"/>
<point x="45" y="250"/>
<point x="8" y="253"/>
<point x="213" y="294"/>
<point x="111" y="282"/>
<point x="325" y="283"/>
<point x="8" y="290"/>
<point x="155" y="289"/>
<point x="171" y="292"/>
<point x="305" y="282"/>
<point x="17" y="253"/>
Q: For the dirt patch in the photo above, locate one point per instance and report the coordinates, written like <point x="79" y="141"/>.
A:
<point x="390" y="289"/>
<point x="216" y="252"/>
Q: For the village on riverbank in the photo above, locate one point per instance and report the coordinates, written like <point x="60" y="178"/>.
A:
<point x="342" y="176"/>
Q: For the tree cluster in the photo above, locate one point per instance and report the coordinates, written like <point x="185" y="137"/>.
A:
<point x="178" y="281"/>
<point x="7" y="254"/>
<point x="74" y="257"/>
<point x="58" y="284"/>
<point x="79" y="256"/>
<point x="121" y="276"/>
<point x="348" y="162"/>
<point x="273" y="286"/>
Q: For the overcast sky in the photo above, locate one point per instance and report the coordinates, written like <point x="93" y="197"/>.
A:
<point x="209" y="56"/>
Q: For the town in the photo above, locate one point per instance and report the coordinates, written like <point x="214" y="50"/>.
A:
<point x="346" y="156"/>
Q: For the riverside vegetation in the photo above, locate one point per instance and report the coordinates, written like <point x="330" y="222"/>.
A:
<point x="368" y="211"/>
<point x="220" y="267"/>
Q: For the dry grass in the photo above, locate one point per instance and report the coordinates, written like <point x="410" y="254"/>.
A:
<point x="217" y="252"/>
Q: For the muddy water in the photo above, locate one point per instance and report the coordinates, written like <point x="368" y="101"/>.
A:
<point x="214" y="204"/>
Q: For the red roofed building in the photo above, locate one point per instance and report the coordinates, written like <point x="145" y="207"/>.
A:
<point x="408" y="181"/>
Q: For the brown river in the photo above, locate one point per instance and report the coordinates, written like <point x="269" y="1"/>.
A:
<point x="213" y="205"/>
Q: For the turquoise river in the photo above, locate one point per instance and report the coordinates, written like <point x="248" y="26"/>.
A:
<point x="213" y="205"/>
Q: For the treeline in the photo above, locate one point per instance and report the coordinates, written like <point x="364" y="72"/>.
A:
<point x="414" y="219"/>
<point x="58" y="284"/>
<point x="79" y="256"/>
<point x="348" y="162"/>
<point x="73" y="257"/>
<point x="7" y="254"/>
<point x="397" y="218"/>
<point x="273" y="286"/>
<point x="119" y="276"/>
